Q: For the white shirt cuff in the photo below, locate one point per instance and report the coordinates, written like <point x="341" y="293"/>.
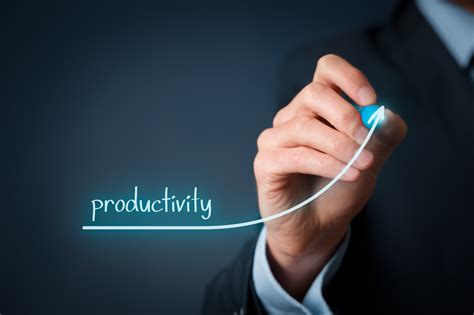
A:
<point x="276" y="300"/>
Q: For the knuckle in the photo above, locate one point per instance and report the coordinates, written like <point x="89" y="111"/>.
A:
<point x="265" y="169"/>
<point x="336" y="144"/>
<point x="312" y="91"/>
<point x="349" y="117"/>
<point x="356" y="75"/>
<point x="262" y="139"/>
<point x="301" y="125"/>
<point x="326" y="60"/>
<point x="307" y="93"/>
<point x="318" y="162"/>
<point x="297" y="156"/>
<point x="276" y="120"/>
<point x="279" y="117"/>
<point x="266" y="163"/>
<point x="259" y="164"/>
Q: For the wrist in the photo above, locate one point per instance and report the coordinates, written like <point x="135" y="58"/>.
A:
<point x="295" y="270"/>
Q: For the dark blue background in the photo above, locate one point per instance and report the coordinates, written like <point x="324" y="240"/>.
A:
<point x="100" y="97"/>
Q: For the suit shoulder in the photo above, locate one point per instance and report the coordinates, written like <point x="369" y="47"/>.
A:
<point x="227" y="292"/>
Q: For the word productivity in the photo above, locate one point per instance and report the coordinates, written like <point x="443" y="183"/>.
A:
<point x="169" y="203"/>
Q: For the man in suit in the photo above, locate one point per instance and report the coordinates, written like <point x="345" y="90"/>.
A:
<point x="403" y="245"/>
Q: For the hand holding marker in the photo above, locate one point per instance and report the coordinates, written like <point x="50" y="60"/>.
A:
<point x="301" y="154"/>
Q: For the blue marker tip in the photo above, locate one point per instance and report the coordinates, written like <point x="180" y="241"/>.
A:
<point x="366" y="112"/>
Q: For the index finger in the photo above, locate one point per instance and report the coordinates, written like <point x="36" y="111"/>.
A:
<point x="341" y="75"/>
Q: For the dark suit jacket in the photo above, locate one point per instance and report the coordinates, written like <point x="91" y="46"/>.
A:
<point x="412" y="247"/>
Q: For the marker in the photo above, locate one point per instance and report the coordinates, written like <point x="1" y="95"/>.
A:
<point x="366" y="112"/>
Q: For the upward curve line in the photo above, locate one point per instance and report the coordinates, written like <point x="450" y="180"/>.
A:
<point x="376" y="117"/>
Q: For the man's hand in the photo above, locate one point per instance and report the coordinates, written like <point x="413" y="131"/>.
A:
<point x="311" y="141"/>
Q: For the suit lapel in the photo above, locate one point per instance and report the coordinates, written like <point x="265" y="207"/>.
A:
<point x="438" y="82"/>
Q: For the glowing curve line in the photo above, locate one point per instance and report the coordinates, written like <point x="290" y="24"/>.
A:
<point x="377" y="116"/>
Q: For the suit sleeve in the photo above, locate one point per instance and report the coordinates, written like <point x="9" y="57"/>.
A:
<point x="274" y="297"/>
<point x="231" y="291"/>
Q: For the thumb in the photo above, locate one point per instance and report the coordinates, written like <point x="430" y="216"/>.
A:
<point x="386" y="138"/>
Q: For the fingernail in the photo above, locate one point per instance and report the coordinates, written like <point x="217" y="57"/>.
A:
<point x="366" y="95"/>
<point x="361" y="134"/>
<point x="364" y="158"/>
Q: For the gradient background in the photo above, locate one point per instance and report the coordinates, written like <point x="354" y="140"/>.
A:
<point x="101" y="97"/>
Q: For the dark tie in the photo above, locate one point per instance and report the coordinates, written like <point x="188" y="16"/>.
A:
<point x="470" y="71"/>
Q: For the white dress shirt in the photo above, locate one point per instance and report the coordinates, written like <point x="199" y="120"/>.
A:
<point x="453" y="25"/>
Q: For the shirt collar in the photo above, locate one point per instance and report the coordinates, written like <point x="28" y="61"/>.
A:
<point x="453" y="25"/>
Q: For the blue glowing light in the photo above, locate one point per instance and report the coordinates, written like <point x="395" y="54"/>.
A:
<point x="366" y="112"/>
